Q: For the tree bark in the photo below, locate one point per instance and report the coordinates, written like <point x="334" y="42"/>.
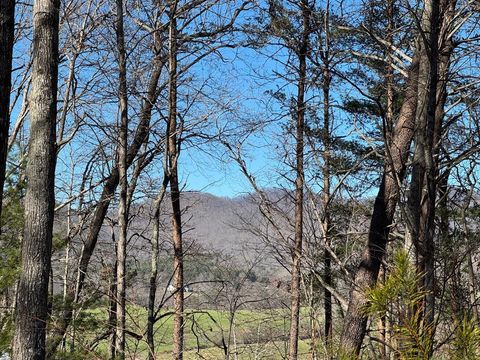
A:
<point x="424" y="109"/>
<point x="7" y="27"/>
<point x="397" y="149"/>
<point x="389" y="118"/>
<point x="327" y="298"/>
<point x="422" y="203"/>
<point x="445" y="53"/>
<point x="122" y="172"/>
<point x="430" y="112"/>
<point x="299" y="185"/>
<point x="32" y="294"/>
<point x="173" y="154"/>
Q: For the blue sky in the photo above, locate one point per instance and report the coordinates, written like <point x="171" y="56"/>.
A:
<point x="241" y="77"/>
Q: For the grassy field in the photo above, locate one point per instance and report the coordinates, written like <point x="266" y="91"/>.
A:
<point x="253" y="334"/>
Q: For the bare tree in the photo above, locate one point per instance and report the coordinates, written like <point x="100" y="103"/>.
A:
<point x="109" y="187"/>
<point x="326" y="173"/>
<point x="122" y="172"/>
<point x="32" y="294"/>
<point x="299" y="182"/>
<point x="7" y="27"/>
<point x="173" y="153"/>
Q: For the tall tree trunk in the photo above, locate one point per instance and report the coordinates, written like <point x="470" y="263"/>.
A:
<point x="384" y="208"/>
<point x="430" y="114"/>
<point x="154" y="270"/>
<point x="397" y="149"/>
<point x="421" y="203"/>
<point x="7" y="27"/>
<point x="122" y="171"/>
<point x="326" y="204"/>
<point x="445" y="50"/>
<point x="327" y="297"/>
<point x="299" y="185"/>
<point x="173" y="154"/>
<point x="32" y="293"/>
<point x="389" y="118"/>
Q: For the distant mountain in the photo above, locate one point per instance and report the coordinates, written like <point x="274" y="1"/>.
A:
<point x="211" y="224"/>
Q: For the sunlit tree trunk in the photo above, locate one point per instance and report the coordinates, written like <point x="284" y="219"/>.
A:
<point x="436" y="25"/>
<point x="327" y="225"/>
<point x="299" y="185"/>
<point x="173" y="154"/>
<point x="355" y="322"/>
<point x="32" y="294"/>
<point x="421" y="202"/>
<point x="389" y="121"/>
<point x="122" y="171"/>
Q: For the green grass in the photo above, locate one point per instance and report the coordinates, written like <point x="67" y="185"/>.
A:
<point x="257" y="334"/>
<point x="270" y="350"/>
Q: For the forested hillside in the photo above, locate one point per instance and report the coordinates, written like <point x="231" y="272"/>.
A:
<point x="239" y="179"/>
